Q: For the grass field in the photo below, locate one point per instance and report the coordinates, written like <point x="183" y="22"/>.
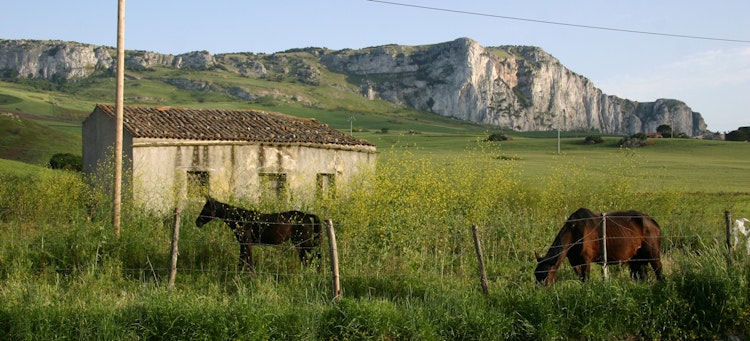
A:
<point x="408" y="265"/>
<point x="682" y="165"/>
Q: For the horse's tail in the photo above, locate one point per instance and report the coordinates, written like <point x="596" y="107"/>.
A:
<point x="658" y="228"/>
<point x="652" y="239"/>
<point x="652" y="229"/>
<point x="317" y="229"/>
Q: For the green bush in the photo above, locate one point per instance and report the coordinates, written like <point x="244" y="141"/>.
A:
<point x="498" y="137"/>
<point x="742" y="134"/>
<point x="635" y="141"/>
<point x="593" y="139"/>
<point x="66" y="161"/>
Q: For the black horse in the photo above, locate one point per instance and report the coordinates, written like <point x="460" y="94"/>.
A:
<point x="251" y="227"/>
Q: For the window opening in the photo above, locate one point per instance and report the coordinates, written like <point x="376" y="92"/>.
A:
<point x="197" y="184"/>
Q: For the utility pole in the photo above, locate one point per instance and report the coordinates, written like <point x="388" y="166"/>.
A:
<point x="558" y="134"/>
<point x="351" y="119"/>
<point x="119" y="99"/>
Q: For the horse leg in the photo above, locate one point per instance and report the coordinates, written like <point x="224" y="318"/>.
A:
<point x="637" y="271"/>
<point x="580" y="272"/>
<point x="656" y="264"/>
<point x="249" y="258"/>
<point x="246" y="257"/>
<point x="302" y="252"/>
<point x="585" y="270"/>
<point x="306" y="248"/>
<point x="645" y="256"/>
<point x="652" y="255"/>
<point x="308" y="255"/>
<point x="317" y="257"/>
<point x="243" y="256"/>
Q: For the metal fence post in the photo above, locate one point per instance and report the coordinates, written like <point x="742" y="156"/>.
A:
<point x="605" y="270"/>
<point x="728" y="223"/>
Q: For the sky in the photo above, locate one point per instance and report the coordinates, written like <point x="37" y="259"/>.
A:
<point x="694" y="51"/>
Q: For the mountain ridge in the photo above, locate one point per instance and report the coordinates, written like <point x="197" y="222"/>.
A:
<point x="517" y="87"/>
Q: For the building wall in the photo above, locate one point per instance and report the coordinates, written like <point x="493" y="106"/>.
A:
<point x="164" y="170"/>
<point x="98" y="143"/>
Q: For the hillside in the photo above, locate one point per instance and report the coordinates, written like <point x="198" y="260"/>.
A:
<point x="27" y="140"/>
<point x="521" y="88"/>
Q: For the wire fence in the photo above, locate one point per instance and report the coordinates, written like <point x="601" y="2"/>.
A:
<point x="65" y="247"/>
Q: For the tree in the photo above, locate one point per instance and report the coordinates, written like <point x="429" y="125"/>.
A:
<point x="665" y="130"/>
<point x="66" y="161"/>
<point x="737" y="135"/>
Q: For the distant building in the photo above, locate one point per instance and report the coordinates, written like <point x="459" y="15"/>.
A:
<point x="174" y="154"/>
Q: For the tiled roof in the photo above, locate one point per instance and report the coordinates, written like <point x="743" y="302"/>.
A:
<point x="227" y="125"/>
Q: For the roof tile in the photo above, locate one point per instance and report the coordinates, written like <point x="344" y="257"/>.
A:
<point x="227" y="125"/>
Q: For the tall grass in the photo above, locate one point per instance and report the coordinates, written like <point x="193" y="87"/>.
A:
<point x="408" y="266"/>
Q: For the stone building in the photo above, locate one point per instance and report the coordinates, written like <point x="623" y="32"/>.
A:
<point x="172" y="154"/>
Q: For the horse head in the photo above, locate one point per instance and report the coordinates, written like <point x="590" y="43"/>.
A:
<point x="546" y="271"/>
<point x="208" y="212"/>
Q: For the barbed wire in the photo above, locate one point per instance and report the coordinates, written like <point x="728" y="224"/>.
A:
<point x="194" y="243"/>
<point x="170" y="217"/>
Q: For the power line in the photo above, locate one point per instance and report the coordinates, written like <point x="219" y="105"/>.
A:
<point x="559" y="23"/>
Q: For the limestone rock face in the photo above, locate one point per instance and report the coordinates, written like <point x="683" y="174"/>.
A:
<point x="518" y="87"/>
<point x="51" y="59"/>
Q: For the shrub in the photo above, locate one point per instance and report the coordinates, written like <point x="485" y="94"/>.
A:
<point x="66" y="161"/>
<point x="742" y="134"/>
<point x="593" y="139"/>
<point x="635" y="141"/>
<point x="498" y="137"/>
<point x="665" y="130"/>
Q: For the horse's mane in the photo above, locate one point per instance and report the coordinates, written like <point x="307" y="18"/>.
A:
<point x="649" y="224"/>
<point x="582" y="214"/>
<point x="648" y="218"/>
<point x="560" y="246"/>
<point x="237" y="216"/>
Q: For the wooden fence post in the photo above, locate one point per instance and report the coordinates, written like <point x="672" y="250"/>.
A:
<point x="480" y="260"/>
<point x="175" y="242"/>
<point x="605" y="270"/>
<point x="728" y="223"/>
<point x="336" y="285"/>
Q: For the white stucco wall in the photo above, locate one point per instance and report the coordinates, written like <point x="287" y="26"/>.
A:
<point x="160" y="168"/>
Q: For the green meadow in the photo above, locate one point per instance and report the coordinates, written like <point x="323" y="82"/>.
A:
<point x="407" y="258"/>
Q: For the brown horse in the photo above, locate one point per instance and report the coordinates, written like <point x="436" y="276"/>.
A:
<point x="255" y="228"/>
<point x="632" y="237"/>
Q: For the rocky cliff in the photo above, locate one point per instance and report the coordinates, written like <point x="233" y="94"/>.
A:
<point x="519" y="87"/>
